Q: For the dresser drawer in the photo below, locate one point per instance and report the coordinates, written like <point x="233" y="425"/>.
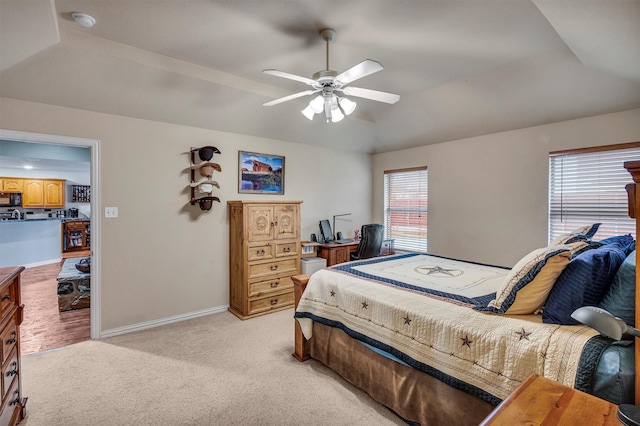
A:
<point x="277" y="301"/>
<point x="11" y="402"/>
<point x="282" y="267"/>
<point x="276" y="284"/>
<point x="287" y="249"/>
<point x="9" y="337"/>
<point x="7" y="298"/>
<point x="9" y="371"/>
<point x="260" y="252"/>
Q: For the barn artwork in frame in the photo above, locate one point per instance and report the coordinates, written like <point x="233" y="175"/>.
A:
<point x="260" y="173"/>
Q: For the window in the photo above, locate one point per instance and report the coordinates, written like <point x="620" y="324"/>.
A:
<point x="587" y="186"/>
<point x="405" y="208"/>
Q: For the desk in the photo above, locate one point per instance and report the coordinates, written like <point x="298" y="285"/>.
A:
<point x="337" y="253"/>
<point x="542" y="401"/>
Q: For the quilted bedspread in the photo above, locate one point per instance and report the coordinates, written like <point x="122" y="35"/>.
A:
<point x="419" y="308"/>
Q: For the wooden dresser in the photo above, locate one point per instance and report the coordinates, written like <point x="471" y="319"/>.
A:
<point x="264" y="255"/>
<point x="13" y="404"/>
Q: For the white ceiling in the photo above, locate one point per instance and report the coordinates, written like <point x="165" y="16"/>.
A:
<point x="462" y="67"/>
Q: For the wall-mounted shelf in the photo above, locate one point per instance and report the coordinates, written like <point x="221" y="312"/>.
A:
<point x="80" y="193"/>
<point x="203" y="187"/>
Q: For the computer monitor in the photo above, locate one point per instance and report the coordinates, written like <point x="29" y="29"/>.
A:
<point x="325" y="231"/>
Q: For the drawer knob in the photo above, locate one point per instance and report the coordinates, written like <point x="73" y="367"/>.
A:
<point x="274" y="302"/>
<point x="275" y="284"/>
<point x="287" y="249"/>
<point x="260" y="253"/>
<point x="13" y="339"/>
<point x="274" y="267"/>
<point x="6" y="297"/>
<point x="12" y="372"/>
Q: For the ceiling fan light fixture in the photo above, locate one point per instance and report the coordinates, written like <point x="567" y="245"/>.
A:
<point x="347" y="105"/>
<point x="336" y="114"/>
<point x="317" y="104"/>
<point x="308" y="112"/>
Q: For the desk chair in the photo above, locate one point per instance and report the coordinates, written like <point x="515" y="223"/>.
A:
<point x="371" y="237"/>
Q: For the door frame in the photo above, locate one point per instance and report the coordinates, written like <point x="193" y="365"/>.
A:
<point x="94" y="146"/>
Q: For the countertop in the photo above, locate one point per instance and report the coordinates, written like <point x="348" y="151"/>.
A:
<point x="59" y="219"/>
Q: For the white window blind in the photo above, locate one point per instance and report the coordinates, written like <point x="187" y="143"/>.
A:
<point x="589" y="187"/>
<point x="405" y="208"/>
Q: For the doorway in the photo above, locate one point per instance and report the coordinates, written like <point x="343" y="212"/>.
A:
<point x="94" y="146"/>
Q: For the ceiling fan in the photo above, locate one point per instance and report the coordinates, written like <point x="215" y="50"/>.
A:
<point x="330" y="85"/>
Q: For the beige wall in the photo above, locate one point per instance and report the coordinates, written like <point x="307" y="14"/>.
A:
<point x="488" y="195"/>
<point x="162" y="257"/>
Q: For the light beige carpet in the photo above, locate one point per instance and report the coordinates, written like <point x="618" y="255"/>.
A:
<point x="214" y="370"/>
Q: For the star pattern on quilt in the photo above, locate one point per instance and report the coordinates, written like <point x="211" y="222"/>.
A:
<point x="407" y="320"/>
<point x="333" y="293"/>
<point x="438" y="271"/>
<point x="365" y="305"/>
<point x="523" y="334"/>
<point x="466" y="342"/>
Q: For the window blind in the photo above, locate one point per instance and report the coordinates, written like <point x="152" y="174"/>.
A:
<point x="587" y="188"/>
<point x="405" y="208"/>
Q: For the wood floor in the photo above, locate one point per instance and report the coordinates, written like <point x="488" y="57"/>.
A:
<point x="44" y="327"/>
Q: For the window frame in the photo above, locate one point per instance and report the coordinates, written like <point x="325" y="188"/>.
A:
<point x="402" y="241"/>
<point x="608" y="206"/>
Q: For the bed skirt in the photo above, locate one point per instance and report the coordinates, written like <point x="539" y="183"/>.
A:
<point x="413" y="395"/>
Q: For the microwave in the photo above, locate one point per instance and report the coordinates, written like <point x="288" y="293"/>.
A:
<point x="10" y="199"/>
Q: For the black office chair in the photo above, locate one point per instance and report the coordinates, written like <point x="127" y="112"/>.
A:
<point x="371" y="237"/>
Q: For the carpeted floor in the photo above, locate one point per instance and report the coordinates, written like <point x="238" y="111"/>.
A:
<point x="214" y="370"/>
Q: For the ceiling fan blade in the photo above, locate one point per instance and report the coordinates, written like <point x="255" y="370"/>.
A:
<point x="375" y="95"/>
<point x="290" y="76"/>
<point x="363" y="69"/>
<point x="288" y="98"/>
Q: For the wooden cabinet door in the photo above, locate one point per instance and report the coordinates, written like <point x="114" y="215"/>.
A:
<point x="260" y="226"/>
<point x="33" y="195"/>
<point x="53" y="193"/>
<point x="286" y="221"/>
<point x="12" y="184"/>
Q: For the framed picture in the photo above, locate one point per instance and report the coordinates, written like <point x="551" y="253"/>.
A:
<point x="260" y="173"/>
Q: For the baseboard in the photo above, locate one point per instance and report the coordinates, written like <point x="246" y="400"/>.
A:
<point x="164" y="321"/>
<point x="44" y="262"/>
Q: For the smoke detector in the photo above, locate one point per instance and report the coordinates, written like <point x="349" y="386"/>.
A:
<point x="83" y="19"/>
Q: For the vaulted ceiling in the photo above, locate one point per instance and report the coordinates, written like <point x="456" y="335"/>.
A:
<point x="462" y="67"/>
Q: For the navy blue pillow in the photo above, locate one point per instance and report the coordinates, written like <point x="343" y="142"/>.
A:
<point x="620" y="299"/>
<point x="583" y="282"/>
<point x="625" y="241"/>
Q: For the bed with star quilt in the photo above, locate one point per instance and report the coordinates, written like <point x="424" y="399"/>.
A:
<point x="447" y="319"/>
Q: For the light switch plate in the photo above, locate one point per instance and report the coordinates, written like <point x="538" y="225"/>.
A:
<point x="110" y="212"/>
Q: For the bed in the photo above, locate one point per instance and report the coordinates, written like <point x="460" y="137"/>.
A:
<point x="443" y="341"/>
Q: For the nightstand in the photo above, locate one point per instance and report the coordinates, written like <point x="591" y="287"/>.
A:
<point x="542" y="401"/>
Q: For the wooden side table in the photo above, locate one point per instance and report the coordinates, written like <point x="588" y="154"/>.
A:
<point x="539" y="401"/>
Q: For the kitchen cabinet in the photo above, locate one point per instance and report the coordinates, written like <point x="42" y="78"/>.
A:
<point x="265" y="254"/>
<point x="9" y="184"/>
<point x="33" y="194"/>
<point x="43" y="193"/>
<point x="76" y="235"/>
<point x="53" y="193"/>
